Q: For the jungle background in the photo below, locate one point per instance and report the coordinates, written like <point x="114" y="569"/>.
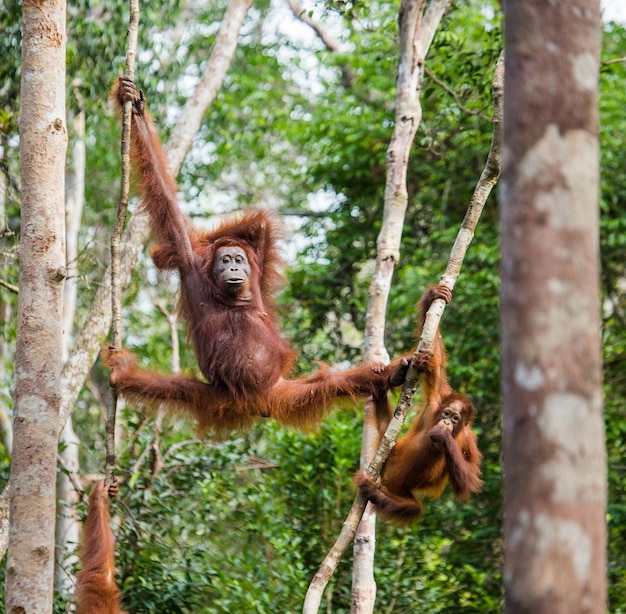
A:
<point x="241" y="525"/>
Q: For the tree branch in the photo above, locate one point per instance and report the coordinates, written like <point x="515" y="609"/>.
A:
<point x="614" y="61"/>
<point x="329" y="41"/>
<point x="485" y="184"/>
<point x="446" y="88"/>
<point x="120" y="221"/>
<point x="10" y="287"/>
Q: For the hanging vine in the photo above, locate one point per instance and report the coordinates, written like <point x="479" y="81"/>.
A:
<point x="120" y="221"/>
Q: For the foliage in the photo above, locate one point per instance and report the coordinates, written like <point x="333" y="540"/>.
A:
<point x="241" y="525"/>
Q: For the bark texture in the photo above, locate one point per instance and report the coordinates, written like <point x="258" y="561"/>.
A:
<point x="43" y="144"/>
<point x="553" y="438"/>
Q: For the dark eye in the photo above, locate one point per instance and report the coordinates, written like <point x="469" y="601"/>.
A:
<point x="455" y="417"/>
<point x="446" y="413"/>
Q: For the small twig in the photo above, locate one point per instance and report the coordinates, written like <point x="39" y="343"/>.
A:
<point x="258" y="463"/>
<point x="446" y="88"/>
<point x="71" y="475"/>
<point x="8" y="286"/>
<point x="614" y="61"/>
<point x="178" y="445"/>
<point x="122" y="208"/>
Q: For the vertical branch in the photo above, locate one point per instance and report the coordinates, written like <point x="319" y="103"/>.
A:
<point x="120" y="221"/>
<point x="418" y="24"/>
<point x="485" y="184"/>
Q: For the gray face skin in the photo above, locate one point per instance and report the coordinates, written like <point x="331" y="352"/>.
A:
<point x="231" y="271"/>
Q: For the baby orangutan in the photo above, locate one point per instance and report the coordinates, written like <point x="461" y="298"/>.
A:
<point x="438" y="448"/>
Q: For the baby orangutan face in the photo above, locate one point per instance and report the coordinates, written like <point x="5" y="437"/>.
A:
<point x="451" y="417"/>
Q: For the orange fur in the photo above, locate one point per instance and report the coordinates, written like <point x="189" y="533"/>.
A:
<point x="241" y="353"/>
<point x="438" y="448"/>
<point x="96" y="591"/>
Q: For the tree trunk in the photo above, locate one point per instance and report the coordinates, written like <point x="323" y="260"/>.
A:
<point x="43" y="143"/>
<point x="553" y="438"/>
<point x="68" y="528"/>
<point x="417" y="30"/>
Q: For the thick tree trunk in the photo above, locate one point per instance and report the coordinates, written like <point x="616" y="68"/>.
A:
<point x="554" y="454"/>
<point x="43" y="143"/>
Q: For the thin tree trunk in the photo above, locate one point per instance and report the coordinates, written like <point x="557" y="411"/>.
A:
<point x="416" y="33"/>
<point x="117" y="288"/>
<point x="553" y="430"/>
<point x="43" y="144"/>
<point x="68" y="527"/>
<point x="6" y="311"/>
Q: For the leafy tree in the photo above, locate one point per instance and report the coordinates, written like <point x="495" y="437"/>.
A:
<point x="242" y="525"/>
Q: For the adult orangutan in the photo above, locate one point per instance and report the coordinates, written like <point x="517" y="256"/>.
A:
<point x="228" y="277"/>
<point x="439" y="446"/>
